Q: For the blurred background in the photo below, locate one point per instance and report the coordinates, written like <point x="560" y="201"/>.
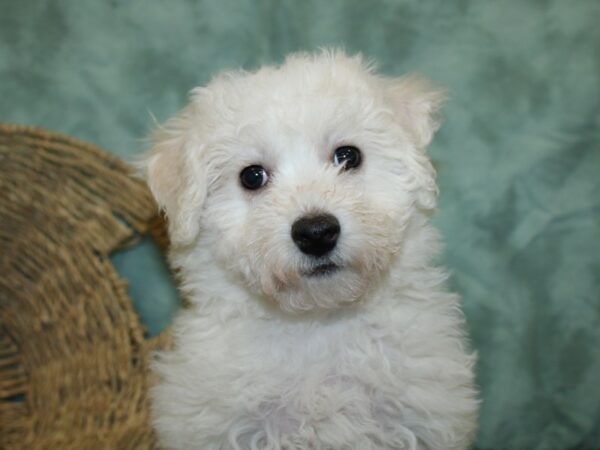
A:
<point x="518" y="155"/>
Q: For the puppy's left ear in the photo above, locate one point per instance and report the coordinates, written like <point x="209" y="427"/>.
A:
<point x="416" y="103"/>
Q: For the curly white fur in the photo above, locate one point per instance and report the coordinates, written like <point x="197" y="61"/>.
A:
<point x="372" y="356"/>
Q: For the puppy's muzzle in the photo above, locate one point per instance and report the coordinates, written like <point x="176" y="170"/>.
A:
<point x="316" y="235"/>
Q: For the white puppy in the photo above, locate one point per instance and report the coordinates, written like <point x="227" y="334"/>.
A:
<point x="298" y="199"/>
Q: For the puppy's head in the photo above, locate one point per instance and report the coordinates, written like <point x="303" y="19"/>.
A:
<point x="299" y="180"/>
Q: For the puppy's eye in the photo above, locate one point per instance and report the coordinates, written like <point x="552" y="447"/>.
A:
<point x="348" y="156"/>
<point x="254" y="177"/>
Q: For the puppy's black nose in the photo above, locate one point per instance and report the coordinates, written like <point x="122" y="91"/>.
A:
<point x="316" y="235"/>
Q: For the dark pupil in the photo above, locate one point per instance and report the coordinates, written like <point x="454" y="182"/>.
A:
<point x="348" y="156"/>
<point x="252" y="177"/>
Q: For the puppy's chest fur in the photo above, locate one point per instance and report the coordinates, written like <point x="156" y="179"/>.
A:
<point x="361" y="378"/>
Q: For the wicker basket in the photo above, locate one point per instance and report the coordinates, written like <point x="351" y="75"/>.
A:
<point x="73" y="357"/>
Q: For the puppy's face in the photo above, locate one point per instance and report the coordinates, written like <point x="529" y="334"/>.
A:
<point x="301" y="180"/>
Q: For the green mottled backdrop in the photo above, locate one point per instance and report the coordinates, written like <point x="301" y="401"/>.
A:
<point x="518" y="156"/>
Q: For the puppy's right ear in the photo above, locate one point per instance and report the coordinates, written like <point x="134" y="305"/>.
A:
<point x="176" y="176"/>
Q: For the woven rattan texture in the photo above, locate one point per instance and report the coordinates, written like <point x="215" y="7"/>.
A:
<point x="73" y="357"/>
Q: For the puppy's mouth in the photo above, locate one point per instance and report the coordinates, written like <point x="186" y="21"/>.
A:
<point x="322" y="270"/>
